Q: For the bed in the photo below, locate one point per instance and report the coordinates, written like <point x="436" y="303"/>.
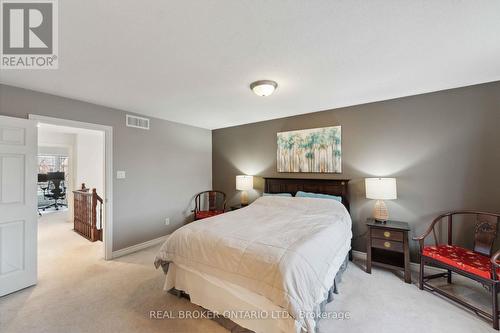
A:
<point x="268" y="267"/>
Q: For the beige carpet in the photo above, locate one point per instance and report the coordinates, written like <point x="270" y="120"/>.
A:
<point x="80" y="292"/>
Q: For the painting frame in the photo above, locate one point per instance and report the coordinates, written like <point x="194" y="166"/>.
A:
<point x="314" y="150"/>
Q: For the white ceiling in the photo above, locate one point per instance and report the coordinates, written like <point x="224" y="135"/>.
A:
<point x="48" y="129"/>
<point x="192" y="61"/>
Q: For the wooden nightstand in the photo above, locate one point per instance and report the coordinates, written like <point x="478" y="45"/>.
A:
<point x="387" y="246"/>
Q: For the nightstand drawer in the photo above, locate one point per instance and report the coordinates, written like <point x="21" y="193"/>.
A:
<point x="387" y="234"/>
<point x="387" y="245"/>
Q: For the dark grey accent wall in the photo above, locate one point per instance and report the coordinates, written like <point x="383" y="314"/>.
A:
<point x="443" y="148"/>
<point x="165" y="166"/>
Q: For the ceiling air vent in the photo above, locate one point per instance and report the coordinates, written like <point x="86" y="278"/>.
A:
<point x="137" y="122"/>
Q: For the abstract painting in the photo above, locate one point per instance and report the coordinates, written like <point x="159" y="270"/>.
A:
<point x="311" y="150"/>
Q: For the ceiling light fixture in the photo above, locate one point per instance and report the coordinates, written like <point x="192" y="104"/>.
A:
<point x="263" y="87"/>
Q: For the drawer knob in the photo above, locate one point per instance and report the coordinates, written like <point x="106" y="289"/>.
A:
<point x="387" y="244"/>
<point x="387" y="234"/>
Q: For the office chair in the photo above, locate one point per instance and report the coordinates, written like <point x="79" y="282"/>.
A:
<point x="56" y="190"/>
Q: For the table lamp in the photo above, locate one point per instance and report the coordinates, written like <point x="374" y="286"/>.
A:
<point x="244" y="183"/>
<point x="381" y="189"/>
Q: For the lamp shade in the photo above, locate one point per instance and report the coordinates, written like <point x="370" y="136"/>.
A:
<point x="244" y="183"/>
<point x="381" y="188"/>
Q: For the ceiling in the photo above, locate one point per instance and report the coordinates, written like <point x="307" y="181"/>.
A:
<point x="192" y="61"/>
<point x="48" y="129"/>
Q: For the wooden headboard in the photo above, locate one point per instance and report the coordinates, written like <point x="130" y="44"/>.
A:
<point x="292" y="185"/>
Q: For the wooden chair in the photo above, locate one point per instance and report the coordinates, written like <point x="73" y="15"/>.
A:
<point x="477" y="264"/>
<point x="209" y="203"/>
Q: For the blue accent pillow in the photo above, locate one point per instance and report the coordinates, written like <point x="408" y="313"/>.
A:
<point x="276" y="194"/>
<point x="301" y="194"/>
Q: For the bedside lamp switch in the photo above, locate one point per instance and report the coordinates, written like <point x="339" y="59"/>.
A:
<point x="120" y="175"/>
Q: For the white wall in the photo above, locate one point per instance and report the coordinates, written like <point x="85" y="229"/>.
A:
<point x="166" y="166"/>
<point x="86" y="157"/>
<point x="90" y="161"/>
<point x="48" y="150"/>
<point x="50" y="141"/>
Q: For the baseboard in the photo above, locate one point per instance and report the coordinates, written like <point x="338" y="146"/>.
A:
<point x="413" y="265"/>
<point x="138" y="247"/>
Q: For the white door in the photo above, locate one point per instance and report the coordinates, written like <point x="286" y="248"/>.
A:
<point x="18" y="204"/>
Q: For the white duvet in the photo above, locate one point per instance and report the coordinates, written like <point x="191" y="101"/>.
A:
<point x="285" y="249"/>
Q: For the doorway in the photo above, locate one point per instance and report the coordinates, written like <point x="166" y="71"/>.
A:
<point x="77" y="153"/>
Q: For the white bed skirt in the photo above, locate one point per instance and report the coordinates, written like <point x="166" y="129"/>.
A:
<point x="220" y="296"/>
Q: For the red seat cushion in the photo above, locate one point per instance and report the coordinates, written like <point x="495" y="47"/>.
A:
<point x="461" y="258"/>
<point x="207" y="213"/>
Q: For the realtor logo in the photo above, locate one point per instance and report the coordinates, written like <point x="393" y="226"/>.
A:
<point x="29" y="34"/>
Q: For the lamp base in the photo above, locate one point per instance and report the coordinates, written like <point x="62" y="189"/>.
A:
<point x="244" y="198"/>
<point x="380" y="212"/>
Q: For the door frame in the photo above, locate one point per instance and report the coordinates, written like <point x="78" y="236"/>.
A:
<point x="108" y="171"/>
